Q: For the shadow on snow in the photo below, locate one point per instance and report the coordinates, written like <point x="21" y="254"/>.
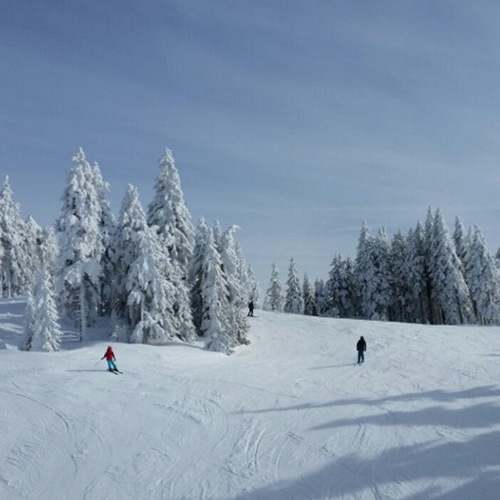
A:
<point x="470" y="463"/>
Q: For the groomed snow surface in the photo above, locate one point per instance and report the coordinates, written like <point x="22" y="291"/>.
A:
<point x="289" y="417"/>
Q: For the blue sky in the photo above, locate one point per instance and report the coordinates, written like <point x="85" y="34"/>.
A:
<point x="296" y="120"/>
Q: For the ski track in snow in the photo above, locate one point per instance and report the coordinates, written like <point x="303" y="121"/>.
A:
<point x="290" y="417"/>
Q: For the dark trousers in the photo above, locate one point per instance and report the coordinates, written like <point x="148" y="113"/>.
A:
<point x="361" y="356"/>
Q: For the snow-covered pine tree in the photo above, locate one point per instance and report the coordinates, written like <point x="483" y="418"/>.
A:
<point x="352" y="306"/>
<point x="130" y="225"/>
<point x="417" y="276"/>
<point x="428" y="235"/>
<point x="237" y="297"/>
<point x="334" y="287"/>
<point x="46" y="330"/>
<point x="106" y="230"/>
<point x="150" y="295"/>
<point x="32" y="252"/>
<point x="144" y="289"/>
<point x="255" y="293"/>
<point x="320" y="297"/>
<point x="229" y="260"/>
<point x="401" y="303"/>
<point x="169" y="213"/>
<point x="294" y="302"/>
<point x="453" y="304"/>
<point x="243" y="275"/>
<point x="497" y="257"/>
<point x="373" y="274"/>
<point x="483" y="280"/>
<point x="216" y="326"/>
<point x="274" y="295"/>
<point x="49" y="250"/>
<point x="196" y="273"/>
<point x="29" y="323"/>
<point x="217" y="234"/>
<point x="460" y="240"/>
<point x="308" y="294"/>
<point x="81" y="249"/>
<point x="2" y="254"/>
<point x="14" y="267"/>
<point x="382" y="289"/>
<point x="340" y="289"/>
<point x="365" y="273"/>
<point x="183" y="315"/>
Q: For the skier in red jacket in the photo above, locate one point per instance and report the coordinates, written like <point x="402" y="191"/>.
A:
<point x="109" y="355"/>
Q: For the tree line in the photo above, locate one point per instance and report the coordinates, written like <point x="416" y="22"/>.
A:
<point x="148" y="271"/>
<point x="428" y="276"/>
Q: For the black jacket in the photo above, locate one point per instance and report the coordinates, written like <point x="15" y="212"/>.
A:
<point x="361" y="345"/>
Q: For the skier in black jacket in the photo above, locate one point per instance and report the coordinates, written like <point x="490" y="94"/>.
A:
<point x="250" y="308"/>
<point x="361" y="347"/>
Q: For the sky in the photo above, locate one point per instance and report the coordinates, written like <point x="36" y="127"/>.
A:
<point x="295" y="120"/>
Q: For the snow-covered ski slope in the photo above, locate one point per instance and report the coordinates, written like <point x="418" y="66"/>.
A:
<point x="289" y="417"/>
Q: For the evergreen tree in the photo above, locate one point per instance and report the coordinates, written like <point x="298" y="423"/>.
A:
<point x="484" y="281"/>
<point x="452" y="299"/>
<point x="196" y="273"/>
<point x="183" y="316"/>
<point x="382" y="286"/>
<point x="148" y="290"/>
<point x="215" y="325"/>
<point x="130" y="225"/>
<point x="274" y="296"/>
<point x="365" y="273"/>
<point x="46" y="332"/>
<point x="294" y="302"/>
<point x="242" y="271"/>
<point x="255" y="292"/>
<point x="168" y="211"/>
<point x="308" y="294"/>
<point x="373" y="274"/>
<point x="81" y="247"/>
<point x="32" y="251"/>
<point x="428" y="235"/>
<point x="460" y="240"/>
<point x="237" y="297"/>
<point x="49" y="250"/>
<point x="340" y="289"/>
<point x="229" y="263"/>
<point x="417" y="276"/>
<point x="2" y="255"/>
<point x="149" y="294"/>
<point x="217" y="235"/>
<point x="402" y="298"/>
<point x="15" y="272"/>
<point x="106" y="230"/>
<point x="29" y="323"/>
<point x="320" y="297"/>
<point x="497" y="257"/>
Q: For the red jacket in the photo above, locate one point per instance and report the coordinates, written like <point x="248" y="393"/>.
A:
<point x="109" y="354"/>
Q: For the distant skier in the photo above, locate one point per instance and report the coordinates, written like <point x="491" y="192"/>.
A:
<point x="109" y="356"/>
<point x="250" y="308"/>
<point x="361" y="348"/>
